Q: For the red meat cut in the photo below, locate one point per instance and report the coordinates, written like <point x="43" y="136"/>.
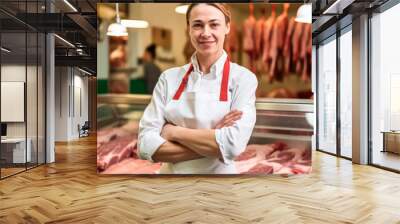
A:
<point x="108" y="134"/>
<point x="133" y="166"/>
<point x="247" y="154"/>
<point x="115" y="151"/>
<point x="260" y="169"/>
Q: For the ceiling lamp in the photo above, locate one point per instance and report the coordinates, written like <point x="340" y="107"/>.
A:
<point x="70" y="5"/>
<point x="138" y="24"/>
<point x="181" y="9"/>
<point x="65" y="41"/>
<point x="338" y="6"/>
<point x="85" y="72"/>
<point x="117" y="29"/>
<point x="304" y="13"/>
<point x="5" y="49"/>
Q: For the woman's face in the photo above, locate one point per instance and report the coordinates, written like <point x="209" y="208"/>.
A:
<point x="207" y="29"/>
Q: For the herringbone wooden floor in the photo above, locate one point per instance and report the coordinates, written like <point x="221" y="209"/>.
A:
<point x="70" y="191"/>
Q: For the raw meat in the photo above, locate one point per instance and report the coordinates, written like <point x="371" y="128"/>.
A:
<point x="279" y="146"/>
<point x="277" y="41"/>
<point x="287" y="50"/>
<point x="231" y="41"/>
<point x="305" y="53"/>
<point x="267" y="38"/>
<point x="118" y="56"/>
<point x="252" y="155"/>
<point x="106" y="135"/>
<point x="295" y="154"/>
<point x="119" y="157"/>
<point x="300" y="169"/>
<point x="275" y="166"/>
<point x="260" y="169"/>
<point x="282" y="157"/>
<point x="296" y="42"/>
<point x="249" y="34"/>
<point x="249" y="26"/>
<point x="247" y="154"/>
<point x="255" y="150"/>
<point x="277" y="158"/>
<point x="115" y="151"/>
<point x="259" y="31"/>
<point x="281" y="93"/>
<point x="133" y="166"/>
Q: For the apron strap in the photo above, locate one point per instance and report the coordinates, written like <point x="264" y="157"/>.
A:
<point x="223" y="95"/>
<point x="183" y="83"/>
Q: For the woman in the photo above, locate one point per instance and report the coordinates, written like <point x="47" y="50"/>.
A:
<point x="202" y="114"/>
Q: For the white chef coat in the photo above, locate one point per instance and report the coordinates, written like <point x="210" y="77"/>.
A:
<point x="199" y="107"/>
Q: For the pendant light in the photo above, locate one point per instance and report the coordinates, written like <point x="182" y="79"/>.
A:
<point x="117" y="29"/>
<point x="5" y="49"/>
<point x="137" y="24"/>
<point x="182" y="8"/>
<point x="304" y="13"/>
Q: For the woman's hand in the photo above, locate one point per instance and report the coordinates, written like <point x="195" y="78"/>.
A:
<point x="229" y="119"/>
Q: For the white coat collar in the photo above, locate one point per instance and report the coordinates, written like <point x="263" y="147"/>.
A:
<point x="216" y="68"/>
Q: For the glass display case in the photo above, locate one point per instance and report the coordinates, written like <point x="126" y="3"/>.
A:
<point x="281" y="123"/>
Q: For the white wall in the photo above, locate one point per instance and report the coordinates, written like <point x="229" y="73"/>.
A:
<point x="33" y="127"/>
<point x="80" y="94"/>
<point x="70" y="83"/>
<point x="163" y="17"/>
<point x="11" y="73"/>
<point x="61" y="103"/>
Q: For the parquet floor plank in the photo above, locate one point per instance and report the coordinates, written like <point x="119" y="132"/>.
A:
<point x="70" y="191"/>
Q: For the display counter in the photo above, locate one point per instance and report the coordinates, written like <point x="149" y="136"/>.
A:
<point x="280" y="142"/>
<point x="288" y="120"/>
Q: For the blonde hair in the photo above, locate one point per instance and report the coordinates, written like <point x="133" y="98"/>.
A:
<point x="220" y="6"/>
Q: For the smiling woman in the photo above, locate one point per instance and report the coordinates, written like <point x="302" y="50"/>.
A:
<point x="208" y="25"/>
<point x="178" y="128"/>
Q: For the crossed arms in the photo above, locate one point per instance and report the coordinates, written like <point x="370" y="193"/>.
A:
<point x="163" y="142"/>
<point x="187" y="144"/>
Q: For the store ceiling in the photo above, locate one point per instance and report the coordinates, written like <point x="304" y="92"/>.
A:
<point x="328" y="16"/>
<point x="78" y="28"/>
<point x="19" y="54"/>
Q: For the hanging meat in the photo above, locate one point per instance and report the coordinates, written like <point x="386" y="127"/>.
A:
<point x="267" y="38"/>
<point x="287" y="46"/>
<point x="296" y="46"/>
<point x="281" y="93"/>
<point x="231" y="41"/>
<point x="259" y="33"/>
<point x="117" y="57"/>
<point x="282" y="22"/>
<point x="305" y="53"/>
<point x="249" y="37"/>
<point x="276" y="50"/>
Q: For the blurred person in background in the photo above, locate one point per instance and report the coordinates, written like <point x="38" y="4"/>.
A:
<point x="150" y="69"/>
